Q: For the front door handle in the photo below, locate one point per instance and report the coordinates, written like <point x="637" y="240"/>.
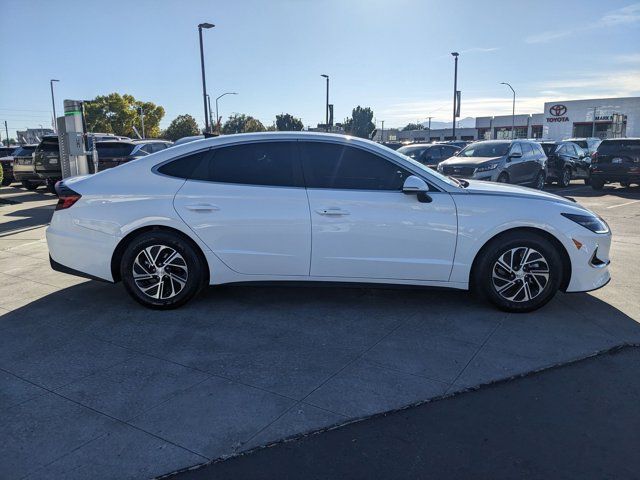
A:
<point x="202" y="207"/>
<point x="332" y="211"/>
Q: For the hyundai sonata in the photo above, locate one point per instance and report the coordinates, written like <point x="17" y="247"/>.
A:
<point x="318" y="207"/>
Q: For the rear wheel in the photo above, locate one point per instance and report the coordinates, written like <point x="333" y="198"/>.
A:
<point x="161" y="270"/>
<point x="539" y="183"/>
<point x="6" y="182"/>
<point x="565" y="178"/>
<point x="503" y="177"/>
<point x="518" y="271"/>
<point x="597" y="184"/>
<point x="625" y="184"/>
<point x="29" y="185"/>
<point x="51" y="186"/>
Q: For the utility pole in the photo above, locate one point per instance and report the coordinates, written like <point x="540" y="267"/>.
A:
<point x="141" y="112"/>
<point x="53" y="104"/>
<point x="513" y="110"/>
<point x="382" y="135"/>
<point x="455" y="92"/>
<point x="207" y="128"/>
<point x="6" y="130"/>
<point x="215" y="129"/>
<point x="593" y="124"/>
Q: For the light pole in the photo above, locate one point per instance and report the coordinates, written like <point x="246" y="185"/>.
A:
<point x="53" y="104"/>
<point x="204" y="82"/>
<point x="141" y="112"/>
<point x="326" y="110"/>
<point x="455" y="92"/>
<point x="513" y="110"/>
<point x="382" y="135"/>
<point x="218" y="98"/>
<point x="210" y="112"/>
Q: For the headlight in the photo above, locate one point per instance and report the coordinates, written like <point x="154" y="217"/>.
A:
<point x="487" y="167"/>
<point x="593" y="223"/>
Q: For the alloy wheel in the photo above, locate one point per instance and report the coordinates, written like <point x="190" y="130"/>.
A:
<point x="520" y="274"/>
<point x="160" y="272"/>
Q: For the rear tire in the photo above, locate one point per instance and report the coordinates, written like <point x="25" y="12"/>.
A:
<point x="161" y="270"/>
<point x="29" y="185"/>
<point x="6" y="182"/>
<point x="540" y="181"/>
<point x="597" y="184"/>
<point x="51" y="187"/>
<point x="503" y="178"/>
<point x="565" y="178"/>
<point x="518" y="271"/>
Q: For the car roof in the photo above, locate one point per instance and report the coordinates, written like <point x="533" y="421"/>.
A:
<point x="620" y="139"/>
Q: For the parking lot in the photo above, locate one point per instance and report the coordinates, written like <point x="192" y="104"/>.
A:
<point x="92" y="385"/>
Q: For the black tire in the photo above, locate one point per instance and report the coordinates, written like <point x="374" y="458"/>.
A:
<point x="6" y="182"/>
<point x="503" y="177"/>
<point x="540" y="181"/>
<point x="51" y="187"/>
<point x="29" y="185"/>
<point x="597" y="184"/>
<point x="487" y="274"/>
<point x="625" y="184"/>
<point x="565" y="178"/>
<point x="160" y="244"/>
<point x="587" y="181"/>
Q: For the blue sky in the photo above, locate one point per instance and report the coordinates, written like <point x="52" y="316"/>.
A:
<point x="393" y="56"/>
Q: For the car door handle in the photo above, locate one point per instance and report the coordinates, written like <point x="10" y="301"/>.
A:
<point x="332" y="211"/>
<point x="202" y="207"/>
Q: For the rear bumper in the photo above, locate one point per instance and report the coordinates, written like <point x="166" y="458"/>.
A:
<point x="58" y="267"/>
<point x="610" y="172"/>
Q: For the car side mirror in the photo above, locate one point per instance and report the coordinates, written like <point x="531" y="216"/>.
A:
<point x="515" y="155"/>
<point x="416" y="185"/>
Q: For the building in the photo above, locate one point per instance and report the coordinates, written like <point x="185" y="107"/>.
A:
<point x="599" y="117"/>
<point x="434" y="135"/>
<point x="32" y="135"/>
<point x="498" y="128"/>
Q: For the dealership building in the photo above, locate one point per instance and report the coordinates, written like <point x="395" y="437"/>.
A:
<point x="598" y="117"/>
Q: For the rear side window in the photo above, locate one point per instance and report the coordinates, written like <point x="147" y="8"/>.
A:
<point x="260" y="163"/>
<point x="526" y="149"/>
<point x="328" y="165"/>
<point x="114" y="149"/>
<point x="516" y="148"/>
<point x="185" y="166"/>
<point x="610" y="147"/>
<point x="49" y="145"/>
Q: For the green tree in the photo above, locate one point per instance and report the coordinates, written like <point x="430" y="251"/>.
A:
<point x="11" y="141"/>
<point x="288" y="123"/>
<point x="360" y="124"/>
<point x="118" y="114"/>
<point x="413" y="126"/>
<point x="181" y="126"/>
<point x="241" y="123"/>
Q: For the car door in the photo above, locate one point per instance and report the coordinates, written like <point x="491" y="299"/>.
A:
<point x="531" y="165"/>
<point x="247" y="203"/>
<point x="516" y="167"/>
<point x="363" y="226"/>
<point x="582" y="161"/>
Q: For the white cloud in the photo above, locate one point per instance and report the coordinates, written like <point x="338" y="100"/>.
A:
<point x="622" y="16"/>
<point x="480" y="50"/>
<point x="628" y="58"/>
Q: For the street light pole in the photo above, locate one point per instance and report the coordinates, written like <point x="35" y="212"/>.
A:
<point x="204" y="82"/>
<point x="382" y="135"/>
<point x="141" y="112"/>
<point x="210" y="112"/>
<point x="593" y="123"/>
<point x="218" y="98"/>
<point x="53" y="104"/>
<point x="455" y="91"/>
<point x="326" y="110"/>
<point x="513" y="110"/>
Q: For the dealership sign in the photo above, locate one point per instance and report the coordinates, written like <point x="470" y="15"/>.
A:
<point x="558" y="113"/>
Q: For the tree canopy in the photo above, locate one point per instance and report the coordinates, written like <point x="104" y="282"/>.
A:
<point x="413" y="126"/>
<point x="181" y="126"/>
<point x="118" y="114"/>
<point x="360" y="124"/>
<point x="286" y="122"/>
<point x="241" y="123"/>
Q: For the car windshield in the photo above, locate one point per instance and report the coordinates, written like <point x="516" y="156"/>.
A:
<point x="23" y="151"/>
<point x="412" y="152"/>
<point x="581" y="143"/>
<point x="485" y="149"/>
<point x="114" y="149"/>
<point x="428" y="171"/>
<point x="609" y="147"/>
<point x="49" y="145"/>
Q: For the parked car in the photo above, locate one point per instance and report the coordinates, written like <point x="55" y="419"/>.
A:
<point x="429" y="154"/>
<point x="588" y="144"/>
<point x="392" y="145"/>
<point x="456" y="143"/>
<point x="23" y="169"/>
<point x="248" y="207"/>
<point x="183" y="140"/>
<point x="565" y="161"/>
<point x="522" y="162"/>
<point x="616" y="160"/>
<point x="6" y="161"/>
<point x="113" y="153"/>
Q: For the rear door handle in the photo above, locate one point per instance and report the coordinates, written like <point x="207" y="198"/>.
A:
<point x="202" y="207"/>
<point x="332" y="211"/>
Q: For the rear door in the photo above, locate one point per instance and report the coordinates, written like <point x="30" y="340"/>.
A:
<point x="516" y="166"/>
<point x="247" y="203"/>
<point x="363" y="226"/>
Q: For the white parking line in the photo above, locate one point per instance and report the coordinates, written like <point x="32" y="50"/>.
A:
<point x="623" y="204"/>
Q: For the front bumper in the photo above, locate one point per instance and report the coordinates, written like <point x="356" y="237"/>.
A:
<point x="590" y="262"/>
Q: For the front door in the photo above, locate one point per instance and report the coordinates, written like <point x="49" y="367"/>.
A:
<point x="247" y="203"/>
<point x="363" y="226"/>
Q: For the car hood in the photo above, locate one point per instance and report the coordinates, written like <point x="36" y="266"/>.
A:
<point x="480" y="187"/>
<point x="469" y="160"/>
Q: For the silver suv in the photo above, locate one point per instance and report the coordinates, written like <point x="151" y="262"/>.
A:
<point x="522" y="162"/>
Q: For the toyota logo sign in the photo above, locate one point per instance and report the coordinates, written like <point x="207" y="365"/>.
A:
<point x="558" y="110"/>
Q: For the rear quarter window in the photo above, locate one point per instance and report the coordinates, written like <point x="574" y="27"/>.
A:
<point x="608" y="147"/>
<point x="185" y="166"/>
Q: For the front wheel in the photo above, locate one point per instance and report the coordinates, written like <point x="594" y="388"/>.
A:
<point x="540" y="180"/>
<point x="565" y="178"/>
<point x="518" y="272"/>
<point x="503" y="178"/>
<point x="6" y="182"/>
<point x="161" y="270"/>
<point x="29" y="185"/>
<point x="597" y="184"/>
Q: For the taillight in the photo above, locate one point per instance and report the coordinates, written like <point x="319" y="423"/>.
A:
<point x="66" y="196"/>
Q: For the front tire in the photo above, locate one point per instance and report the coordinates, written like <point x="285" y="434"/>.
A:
<point x="597" y="184"/>
<point x="518" y="271"/>
<point x="161" y="270"/>
<point x="29" y="185"/>
<point x="503" y="178"/>
<point x="540" y="181"/>
<point x="565" y="178"/>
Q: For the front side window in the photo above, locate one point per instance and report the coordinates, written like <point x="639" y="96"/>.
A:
<point x="260" y="163"/>
<point x="516" y="148"/>
<point x="526" y="149"/>
<point x="485" y="149"/>
<point x="329" y="165"/>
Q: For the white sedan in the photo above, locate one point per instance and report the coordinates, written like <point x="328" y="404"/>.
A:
<point x="318" y="207"/>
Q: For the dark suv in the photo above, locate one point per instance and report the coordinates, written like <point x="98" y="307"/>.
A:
<point x="23" y="170"/>
<point x="46" y="161"/>
<point x="429" y="154"/>
<point x="565" y="161"/>
<point x="113" y="153"/>
<point x="521" y="162"/>
<point x="6" y="161"/>
<point x="616" y="160"/>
